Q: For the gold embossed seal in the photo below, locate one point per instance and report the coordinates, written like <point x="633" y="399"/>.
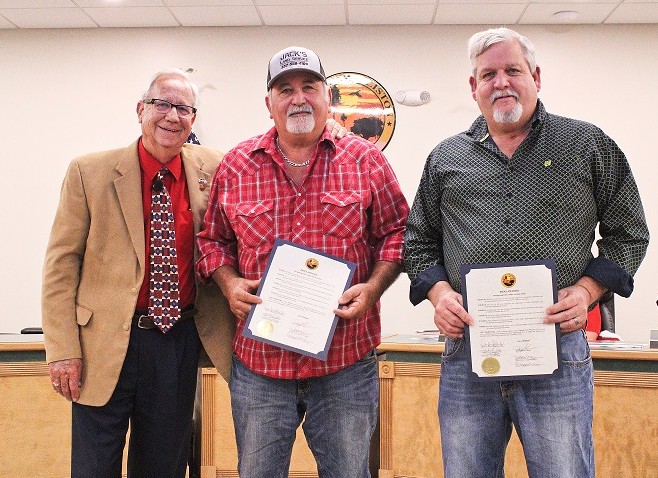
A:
<point x="491" y="366"/>
<point x="508" y="280"/>
<point x="264" y="328"/>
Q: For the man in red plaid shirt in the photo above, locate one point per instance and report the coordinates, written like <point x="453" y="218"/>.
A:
<point x="340" y="197"/>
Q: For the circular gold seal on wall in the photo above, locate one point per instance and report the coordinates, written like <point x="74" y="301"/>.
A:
<point x="363" y="106"/>
<point x="508" y="279"/>
<point x="491" y="366"/>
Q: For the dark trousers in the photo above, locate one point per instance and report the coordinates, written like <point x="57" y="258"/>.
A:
<point x="155" y="394"/>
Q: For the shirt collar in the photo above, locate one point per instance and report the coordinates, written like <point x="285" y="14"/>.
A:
<point x="479" y="130"/>
<point x="150" y="166"/>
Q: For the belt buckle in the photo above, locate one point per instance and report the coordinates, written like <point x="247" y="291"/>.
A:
<point x="141" y="325"/>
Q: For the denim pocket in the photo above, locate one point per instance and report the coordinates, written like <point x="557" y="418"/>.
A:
<point x="574" y="350"/>
<point x="452" y="348"/>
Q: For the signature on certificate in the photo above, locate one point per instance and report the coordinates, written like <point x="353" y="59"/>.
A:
<point x="492" y="348"/>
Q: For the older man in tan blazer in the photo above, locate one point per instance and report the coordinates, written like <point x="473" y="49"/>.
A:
<point x="104" y="352"/>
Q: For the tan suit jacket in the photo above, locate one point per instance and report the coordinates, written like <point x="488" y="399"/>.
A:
<point x="94" y="267"/>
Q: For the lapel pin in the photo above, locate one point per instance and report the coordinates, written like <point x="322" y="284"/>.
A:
<point x="202" y="183"/>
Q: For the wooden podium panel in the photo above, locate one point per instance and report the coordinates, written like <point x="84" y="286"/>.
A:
<point x="35" y="422"/>
<point x="626" y="424"/>
<point x="35" y="429"/>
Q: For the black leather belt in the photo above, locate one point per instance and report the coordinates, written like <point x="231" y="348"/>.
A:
<point x="143" y="321"/>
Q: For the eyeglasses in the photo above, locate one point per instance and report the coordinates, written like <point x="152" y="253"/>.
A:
<point x="162" y="106"/>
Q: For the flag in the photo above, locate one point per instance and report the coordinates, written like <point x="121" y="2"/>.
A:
<point x="192" y="138"/>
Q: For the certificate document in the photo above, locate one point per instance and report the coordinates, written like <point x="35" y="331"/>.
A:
<point x="508" y="302"/>
<point x="300" y="290"/>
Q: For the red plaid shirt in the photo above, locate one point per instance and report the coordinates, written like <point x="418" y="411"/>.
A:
<point x="350" y="205"/>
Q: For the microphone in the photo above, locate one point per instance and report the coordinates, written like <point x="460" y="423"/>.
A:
<point x="158" y="185"/>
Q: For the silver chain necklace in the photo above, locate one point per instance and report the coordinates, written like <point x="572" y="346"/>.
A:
<point x="285" y="158"/>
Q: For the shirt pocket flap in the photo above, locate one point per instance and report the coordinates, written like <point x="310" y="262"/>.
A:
<point x="340" y="198"/>
<point x="253" y="208"/>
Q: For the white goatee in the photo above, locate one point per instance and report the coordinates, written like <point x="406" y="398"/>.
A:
<point x="506" y="116"/>
<point x="300" y="124"/>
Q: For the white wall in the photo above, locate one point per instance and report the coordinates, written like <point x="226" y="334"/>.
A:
<point x="68" y="92"/>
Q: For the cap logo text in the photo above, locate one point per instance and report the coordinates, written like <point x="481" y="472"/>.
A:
<point x="293" y="58"/>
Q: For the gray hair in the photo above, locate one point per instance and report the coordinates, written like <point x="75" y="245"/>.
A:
<point x="481" y="41"/>
<point x="172" y="73"/>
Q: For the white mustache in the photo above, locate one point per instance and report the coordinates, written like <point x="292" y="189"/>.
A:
<point x="499" y="94"/>
<point x="300" y="109"/>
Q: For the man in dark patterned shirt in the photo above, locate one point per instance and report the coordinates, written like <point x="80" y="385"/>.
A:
<point x="521" y="184"/>
<point x="340" y="197"/>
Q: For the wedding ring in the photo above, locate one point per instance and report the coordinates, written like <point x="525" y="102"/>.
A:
<point x="576" y="321"/>
<point x="56" y="384"/>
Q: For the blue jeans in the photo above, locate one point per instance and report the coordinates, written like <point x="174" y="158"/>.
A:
<point x="552" y="416"/>
<point x="339" y="412"/>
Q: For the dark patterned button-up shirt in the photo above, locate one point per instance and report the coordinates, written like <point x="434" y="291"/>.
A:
<point x="475" y="205"/>
<point x="350" y="205"/>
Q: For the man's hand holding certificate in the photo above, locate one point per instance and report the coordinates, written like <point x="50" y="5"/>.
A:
<point x="508" y="303"/>
<point x="299" y="292"/>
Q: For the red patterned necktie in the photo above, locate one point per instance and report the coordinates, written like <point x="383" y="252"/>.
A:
<point x="164" y="307"/>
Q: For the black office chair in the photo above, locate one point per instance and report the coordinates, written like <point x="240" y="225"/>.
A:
<point x="607" y="306"/>
<point x="32" y="330"/>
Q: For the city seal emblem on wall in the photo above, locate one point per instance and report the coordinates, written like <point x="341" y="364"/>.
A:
<point x="363" y="106"/>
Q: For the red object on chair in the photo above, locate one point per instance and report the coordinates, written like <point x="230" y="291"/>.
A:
<point x="594" y="320"/>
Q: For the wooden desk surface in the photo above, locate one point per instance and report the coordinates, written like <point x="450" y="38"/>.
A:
<point x="21" y="342"/>
<point x="427" y="344"/>
<point x="392" y="343"/>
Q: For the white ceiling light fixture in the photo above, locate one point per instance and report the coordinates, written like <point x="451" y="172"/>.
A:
<point x="566" y="16"/>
